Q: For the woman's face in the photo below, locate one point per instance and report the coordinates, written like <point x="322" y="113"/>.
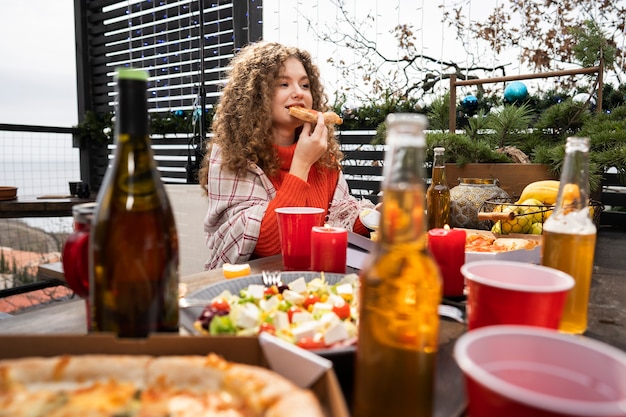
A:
<point x="292" y="89"/>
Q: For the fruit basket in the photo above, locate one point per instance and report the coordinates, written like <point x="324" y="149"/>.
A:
<point x="504" y="216"/>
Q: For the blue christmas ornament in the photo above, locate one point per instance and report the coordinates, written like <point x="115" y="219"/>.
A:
<point x="469" y="103"/>
<point x="515" y="92"/>
<point x="179" y="113"/>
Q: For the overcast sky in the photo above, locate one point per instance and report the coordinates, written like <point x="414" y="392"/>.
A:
<point x="38" y="64"/>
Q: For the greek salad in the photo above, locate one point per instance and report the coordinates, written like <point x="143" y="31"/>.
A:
<point x="312" y="314"/>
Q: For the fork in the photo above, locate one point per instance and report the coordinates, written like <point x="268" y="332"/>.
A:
<point x="271" y="278"/>
<point x="452" y="312"/>
<point x="192" y="302"/>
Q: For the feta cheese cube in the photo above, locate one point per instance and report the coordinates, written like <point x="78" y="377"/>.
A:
<point x="293" y="297"/>
<point x="307" y="329"/>
<point x="298" y="285"/>
<point x="280" y="319"/>
<point x="335" y="300"/>
<point x="321" y="308"/>
<point x="247" y="316"/>
<point x="301" y="317"/>
<point x="344" y="289"/>
<point x="256" y="291"/>
<point x="328" y="319"/>
<point x="335" y="333"/>
<point x="269" y="304"/>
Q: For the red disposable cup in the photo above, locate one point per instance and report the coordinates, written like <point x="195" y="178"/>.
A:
<point x="507" y="292"/>
<point x="521" y="371"/>
<point x="294" y="227"/>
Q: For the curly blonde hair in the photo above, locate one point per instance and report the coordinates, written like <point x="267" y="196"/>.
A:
<point x="243" y="123"/>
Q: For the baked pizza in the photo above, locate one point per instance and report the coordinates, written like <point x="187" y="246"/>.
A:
<point x="479" y="242"/>
<point x="129" y="385"/>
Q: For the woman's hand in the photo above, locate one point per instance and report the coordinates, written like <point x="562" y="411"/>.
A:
<point x="311" y="146"/>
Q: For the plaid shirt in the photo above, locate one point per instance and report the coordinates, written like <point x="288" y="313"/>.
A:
<point x="237" y="205"/>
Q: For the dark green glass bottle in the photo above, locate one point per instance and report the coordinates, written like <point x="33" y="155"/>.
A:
<point x="134" y="245"/>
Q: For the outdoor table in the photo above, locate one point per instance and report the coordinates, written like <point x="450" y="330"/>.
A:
<point x="69" y="317"/>
<point x="40" y="206"/>
<point x="607" y="315"/>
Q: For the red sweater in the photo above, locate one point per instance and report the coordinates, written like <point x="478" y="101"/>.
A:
<point x="291" y="191"/>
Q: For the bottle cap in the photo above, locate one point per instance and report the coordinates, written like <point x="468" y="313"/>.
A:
<point x="439" y="149"/>
<point x="132" y="74"/>
<point x="406" y="129"/>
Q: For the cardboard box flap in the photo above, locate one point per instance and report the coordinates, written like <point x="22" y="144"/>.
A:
<point x="300" y="366"/>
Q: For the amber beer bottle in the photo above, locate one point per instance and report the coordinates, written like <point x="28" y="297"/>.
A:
<point x="569" y="235"/>
<point x="400" y="289"/>
<point x="438" y="193"/>
<point x="134" y="255"/>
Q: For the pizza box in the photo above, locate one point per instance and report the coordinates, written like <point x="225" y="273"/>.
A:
<point x="521" y="255"/>
<point x="304" y="368"/>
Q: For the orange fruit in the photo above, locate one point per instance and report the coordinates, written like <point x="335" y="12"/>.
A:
<point x="236" y="270"/>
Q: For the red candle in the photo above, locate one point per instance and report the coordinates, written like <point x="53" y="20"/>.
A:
<point x="329" y="246"/>
<point x="448" y="247"/>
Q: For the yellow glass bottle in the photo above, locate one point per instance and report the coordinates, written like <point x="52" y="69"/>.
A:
<point x="438" y="193"/>
<point x="134" y="245"/>
<point x="569" y="235"/>
<point x="400" y="289"/>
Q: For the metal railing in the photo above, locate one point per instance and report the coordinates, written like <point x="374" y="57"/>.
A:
<point x="38" y="160"/>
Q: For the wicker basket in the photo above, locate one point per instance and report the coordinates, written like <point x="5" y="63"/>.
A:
<point x="491" y="211"/>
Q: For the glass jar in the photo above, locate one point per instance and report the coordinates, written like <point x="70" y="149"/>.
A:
<point x="76" y="250"/>
<point x="467" y="198"/>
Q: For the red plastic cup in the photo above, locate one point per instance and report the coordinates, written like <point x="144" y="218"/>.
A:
<point x="294" y="227"/>
<point x="507" y="292"/>
<point x="521" y="371"/>
<point x="76" y="250"/>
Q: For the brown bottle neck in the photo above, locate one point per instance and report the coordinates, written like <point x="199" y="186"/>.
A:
<point x="439" y="175"/>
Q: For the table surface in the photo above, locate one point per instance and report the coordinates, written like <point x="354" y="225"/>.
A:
<point x="607" y="314"/>
<point x="40" y="206"/>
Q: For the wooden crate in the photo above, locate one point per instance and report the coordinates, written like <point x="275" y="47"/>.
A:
<point x="512" y="177"/>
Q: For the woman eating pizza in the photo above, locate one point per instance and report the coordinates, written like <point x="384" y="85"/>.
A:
<point x="262" y="157"/>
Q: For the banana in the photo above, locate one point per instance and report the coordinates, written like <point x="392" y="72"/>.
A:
<point x="544" y="191"/>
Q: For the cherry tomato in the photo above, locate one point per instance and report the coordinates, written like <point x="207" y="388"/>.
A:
<point x="310" y="343"/>
<point x="220" y="304"/>
<point x="268" y="328"/>
<point x="269" y="291"/>
<point x="293" y="309"/>
<point x="343" y="311"/>
<point x="310" y="300"/>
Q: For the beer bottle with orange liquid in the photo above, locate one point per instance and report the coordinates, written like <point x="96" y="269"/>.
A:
<point x="400" y="289"/>
<point x="134" y="245"/>
<point x="438" y="193"/>
<point x="569" y="235"/>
